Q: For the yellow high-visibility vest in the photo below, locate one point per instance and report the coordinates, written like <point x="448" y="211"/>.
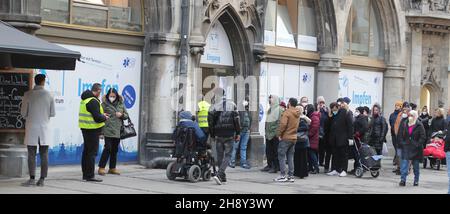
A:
<point x="86" y="120"/>
<point x="202" y="116"/>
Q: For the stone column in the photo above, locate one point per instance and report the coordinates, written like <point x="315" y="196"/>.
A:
<point x="393" y="89"/>
<point x="25" y="16"/>
<point x="160" y="80"/>
<point x="416" y="66"/>
<point x="328" y="77"/>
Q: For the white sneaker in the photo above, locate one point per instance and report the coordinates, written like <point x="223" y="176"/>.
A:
<point x="217" y="179"/>
<point x="333" y="173"/>
<point x="280" y="179"/>
<point x="343" y="174"/>
<point x="291" y="179"/>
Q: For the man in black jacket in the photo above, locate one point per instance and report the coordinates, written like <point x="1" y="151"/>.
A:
<point x="341" y="134"/>
<point x="91" y="122"/>
<point x="224" y="124"/>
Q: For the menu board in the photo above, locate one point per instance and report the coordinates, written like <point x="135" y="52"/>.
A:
<point x="12" y="89"/>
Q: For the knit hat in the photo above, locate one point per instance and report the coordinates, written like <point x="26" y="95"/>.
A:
<point x="283" y="104"/>
<point x="186" y="115"/>
<point x="347" y="100"/>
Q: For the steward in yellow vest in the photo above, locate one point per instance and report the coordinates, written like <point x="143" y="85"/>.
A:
<point x="91" y="120"/>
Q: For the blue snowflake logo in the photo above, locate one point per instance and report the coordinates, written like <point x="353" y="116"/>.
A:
<point x="305" y="77"/>
<point x="126" y="62"/>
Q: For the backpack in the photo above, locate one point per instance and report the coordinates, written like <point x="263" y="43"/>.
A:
<point x="184" y="140"/>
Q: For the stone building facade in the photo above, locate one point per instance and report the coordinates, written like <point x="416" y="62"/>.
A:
<point x="370" y="50"/>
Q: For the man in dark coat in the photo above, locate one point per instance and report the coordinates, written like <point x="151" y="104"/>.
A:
<point x="361" y="126"/>
<point x="341" y="133"/>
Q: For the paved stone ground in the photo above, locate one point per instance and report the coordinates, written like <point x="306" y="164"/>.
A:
<point x="136" y="179"/>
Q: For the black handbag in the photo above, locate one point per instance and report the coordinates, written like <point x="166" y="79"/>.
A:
<point x="127" y="131"/>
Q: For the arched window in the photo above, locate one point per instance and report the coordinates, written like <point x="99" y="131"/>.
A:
<point x="124" y="15"/>
<point x="291" y="23"/>
<point x="363" y="33"/>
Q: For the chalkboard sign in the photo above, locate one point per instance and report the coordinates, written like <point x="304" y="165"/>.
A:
<point x="12" y="89"/>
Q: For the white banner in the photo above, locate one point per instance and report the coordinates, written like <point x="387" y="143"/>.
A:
<point x="112" y="68"/>
<point x="218" y="48"/>
<point x="364" y="88"/>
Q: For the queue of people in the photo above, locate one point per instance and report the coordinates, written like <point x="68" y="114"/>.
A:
<point x="303" y="135"/>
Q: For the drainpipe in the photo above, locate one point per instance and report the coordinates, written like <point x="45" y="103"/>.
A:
<point x="184" y="51"/>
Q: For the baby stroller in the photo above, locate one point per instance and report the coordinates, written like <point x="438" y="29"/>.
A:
<point x="434" y="151"/>
<point x="194" y="160"/>
<point x="368" y="161"/>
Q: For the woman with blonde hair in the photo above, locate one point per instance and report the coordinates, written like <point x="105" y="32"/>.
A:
<point x="438" y="122"/>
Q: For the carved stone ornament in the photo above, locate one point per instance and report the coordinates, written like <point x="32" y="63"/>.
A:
<point x="243" y="7"/>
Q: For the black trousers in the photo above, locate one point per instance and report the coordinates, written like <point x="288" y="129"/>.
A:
<point x="322" y="151"/>
<point x="340" y="159"/>
<point x="301" y="162"/>
<point x="90" y="151"/>
<point x="272" y="153"/>
<point x="110" y="152"/>
<point x="328" y="155"/>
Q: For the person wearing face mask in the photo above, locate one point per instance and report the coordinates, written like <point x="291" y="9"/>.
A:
<point x="323" y="117"/>
<point x="402" y="116"/>
<point x="246" y="123"/>
<point x="304" y="102"/>
<point x="113" y="104"/>
<point x="425" y="119"/>
<point x="341" y="133"/>
<point x="378" y="129"/>
<point x="332" y="113"/>
<point x="411" y="139"/>
<point x="361" y="126"/>
<point x="91" y="121"/>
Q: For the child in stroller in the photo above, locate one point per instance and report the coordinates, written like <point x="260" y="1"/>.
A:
<point x="434" y="151"/>
<point x="194" y="159"/>
<point x="368" y="161"/>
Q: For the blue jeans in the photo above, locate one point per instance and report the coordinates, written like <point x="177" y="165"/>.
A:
<point x="404" y="168"/>
<point x="448" y="170"/>
<point x="313" y="160"/>
<point x="243" y="142"/>
<point x="286" y="148"/>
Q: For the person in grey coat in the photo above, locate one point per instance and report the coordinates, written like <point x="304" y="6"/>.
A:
<point x="38" y="106"/>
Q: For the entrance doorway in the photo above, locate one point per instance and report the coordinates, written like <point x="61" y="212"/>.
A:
<point x="425" y="99"/>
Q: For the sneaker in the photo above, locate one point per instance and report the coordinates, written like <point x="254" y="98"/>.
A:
<point x="30" y="182"/>
<point x="217" y="179"/>
<point x="333" y="173"/>
<point x="232" y="165"/>
<point x="245" y="166"/>
<point x="416" y="184"/>
<point x="402" y="183"/>
<point x="343" y="174"/>
<point x="280" y="179"/>
<point x="291" y="179"/>
<point x="40" y="183"/>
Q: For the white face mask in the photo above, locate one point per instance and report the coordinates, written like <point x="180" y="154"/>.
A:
<point x="245" y="103"/>
<point x="357" y="114"/>
<point x="404" y="115"/>
<point x="410" y="119"/>
<point x="112" y="99"/>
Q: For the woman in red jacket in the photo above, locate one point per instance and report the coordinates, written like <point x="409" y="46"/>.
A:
<point x="313" y="114"/>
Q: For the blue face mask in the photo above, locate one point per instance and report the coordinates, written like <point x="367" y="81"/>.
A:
<point x="335" y="113"/>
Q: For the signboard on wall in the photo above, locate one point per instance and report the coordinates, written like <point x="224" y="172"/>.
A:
<point x="218" y="49"/>
<point x="119" y="69"/>
<point x="285" y="81"/>
<point x="364" y="88"/>
<point x="13" y="85"/>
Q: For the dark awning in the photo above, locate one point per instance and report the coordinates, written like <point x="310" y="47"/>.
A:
<point x="21" y="50"/>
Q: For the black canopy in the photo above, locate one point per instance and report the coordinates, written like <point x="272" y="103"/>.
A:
<point x="21" y="50"/>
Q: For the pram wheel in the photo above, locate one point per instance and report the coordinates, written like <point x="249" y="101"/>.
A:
<point x="375" y="174"/>
<point x="169" y="173"/>
<point x="206" y="175"/>
<point x="194" y="173"/>
<point x="359" y="172"/>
